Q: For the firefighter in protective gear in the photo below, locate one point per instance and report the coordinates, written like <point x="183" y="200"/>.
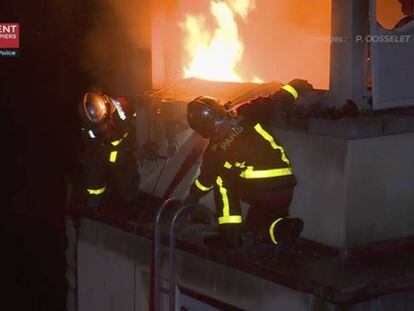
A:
<point x="407" y="8"/>
<point x="108" y="160"/>
<point x="245" y="162"/>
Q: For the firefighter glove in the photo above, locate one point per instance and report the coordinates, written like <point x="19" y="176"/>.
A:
<point x="301" y="86"/>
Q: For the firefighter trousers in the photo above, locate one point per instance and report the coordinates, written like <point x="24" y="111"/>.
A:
<point x="110" y="174"/>
<point x="266" y="204"/>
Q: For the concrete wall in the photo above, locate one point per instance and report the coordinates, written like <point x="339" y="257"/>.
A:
<point x="352" y="192"/>
<point x="113" y="274"/>
<point x="380" y="189"/>
<point x="113" y="269"/>
<point x="71" y="265"/>
<point x="348" y="57"/>
<point x="319" y="163"/>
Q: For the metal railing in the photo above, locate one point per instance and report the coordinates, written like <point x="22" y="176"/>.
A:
<point x="172" y="254"/>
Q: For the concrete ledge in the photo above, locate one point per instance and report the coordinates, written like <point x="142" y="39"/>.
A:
<point x="352" y="192"/>
<point x="349" y="128"/>
<point x="398" y="125"/>
<point x="313" y="272"/>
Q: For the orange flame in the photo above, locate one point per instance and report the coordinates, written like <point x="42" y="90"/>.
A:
<point x="214" y="55"/>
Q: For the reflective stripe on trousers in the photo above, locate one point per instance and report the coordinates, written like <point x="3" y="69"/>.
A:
<point x="201" y="187"/>
<point x="113" y="156"/>
<point x="224" y="200"/>
<point x="272" y="228"/>
<point x="96" y="191"/>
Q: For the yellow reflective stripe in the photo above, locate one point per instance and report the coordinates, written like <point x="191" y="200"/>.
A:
<point x="117" y="142"/>
<point x="250" y="173"/>
<point x="291" y="90"/>
<point x="224" y="197"/>
<point x="201" y="186"/>
<point x="272" y="228"/>
<point x="226" y="218"/>
<point x="113" y="156"/>
<point x="265" y="134"/>
<point x="241" y="165"/>
<point x="96" y="191"/>
<point x="228" y="165"/>
<point x="230" y="220"/>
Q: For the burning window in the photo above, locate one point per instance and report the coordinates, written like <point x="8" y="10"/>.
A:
<point x="242" y="40"/>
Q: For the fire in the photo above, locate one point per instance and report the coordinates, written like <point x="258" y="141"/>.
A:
<point x="241" y="40"/>
<point x="214" y="55"/>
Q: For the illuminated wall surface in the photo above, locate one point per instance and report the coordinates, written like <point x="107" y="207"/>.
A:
<point x="261" y="40"/>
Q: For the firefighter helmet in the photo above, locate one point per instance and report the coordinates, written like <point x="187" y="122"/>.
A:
<point x="205" y="115"/>
<point x="94" y="108"/>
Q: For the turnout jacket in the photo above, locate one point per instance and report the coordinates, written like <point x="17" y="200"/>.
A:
<point x="119" y="127"/>
<point x="249" y="155"/>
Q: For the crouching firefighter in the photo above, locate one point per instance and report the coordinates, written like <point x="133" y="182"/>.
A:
<point x="108" y="161"/>
<point x="245" y="162"/>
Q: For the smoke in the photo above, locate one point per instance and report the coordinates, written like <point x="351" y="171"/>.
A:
<point x="117" y="44"/>
<point x="288" y="39"/>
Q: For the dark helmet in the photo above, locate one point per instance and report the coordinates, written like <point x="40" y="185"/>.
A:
<point x="93" y="108"/>
<point x="205" y="115"/>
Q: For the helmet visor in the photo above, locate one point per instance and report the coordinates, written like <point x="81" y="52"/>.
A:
<point x="94" y="107"/>
<point x="205" y="115"/>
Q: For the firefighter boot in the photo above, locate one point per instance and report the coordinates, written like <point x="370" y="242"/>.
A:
<point x="286" y="231"/>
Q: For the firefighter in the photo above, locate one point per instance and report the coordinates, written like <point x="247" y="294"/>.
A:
<point x="407" y="8"/>
<point x="245" y="162"/>
<point x="108" y="160"/>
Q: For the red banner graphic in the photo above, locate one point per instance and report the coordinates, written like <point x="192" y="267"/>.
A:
<point x="9" y="35"/>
